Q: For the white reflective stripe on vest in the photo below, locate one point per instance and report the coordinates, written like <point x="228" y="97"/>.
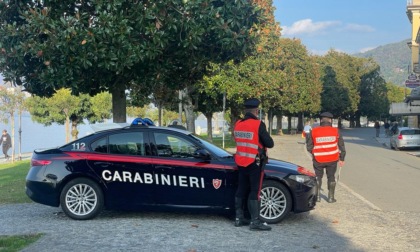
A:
<point x="325" y="153"/>
<point x="325" y="146"/>
<point x="250" y="145"/>
<point x="244" y="154"/>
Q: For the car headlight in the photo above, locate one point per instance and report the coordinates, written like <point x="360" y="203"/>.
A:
<point x="300" y="178"/>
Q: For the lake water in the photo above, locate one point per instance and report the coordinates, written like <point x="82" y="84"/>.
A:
<point x="37" y="136"/>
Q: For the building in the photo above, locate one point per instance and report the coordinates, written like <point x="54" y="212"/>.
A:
<point x="411" y="105"/>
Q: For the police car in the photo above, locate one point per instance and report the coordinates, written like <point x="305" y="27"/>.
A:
<point x="140" y="167"/>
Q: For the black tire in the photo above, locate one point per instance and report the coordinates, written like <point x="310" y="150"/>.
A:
<point x="390" y="145"/>
<point x="276" y="202"/>
<point x="82" y="199"/>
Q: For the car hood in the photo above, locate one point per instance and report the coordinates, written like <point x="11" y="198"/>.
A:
<point x="281" y="166"/>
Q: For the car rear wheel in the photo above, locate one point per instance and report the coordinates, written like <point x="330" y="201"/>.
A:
<point x="276" y="202"/>
<point x="81" y="199"/>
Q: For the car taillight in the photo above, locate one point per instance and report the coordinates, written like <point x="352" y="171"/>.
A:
<point x="36" y="162"/>
<point x="400" y="136"/>
<point x="305" y="171"/>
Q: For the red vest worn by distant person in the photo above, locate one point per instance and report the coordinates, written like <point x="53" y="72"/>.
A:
<point x="325" y="144"/>
<point x="247" y="141"/>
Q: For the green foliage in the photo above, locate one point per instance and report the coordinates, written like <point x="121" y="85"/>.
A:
<point x="11" y="103"/>
<point x="396" y="93"/>
<point x="64" y="107"/>
<point x="93" y="46"/>
<point x="101" y="105"/>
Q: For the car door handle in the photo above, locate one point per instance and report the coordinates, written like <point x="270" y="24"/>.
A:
<point x="164" y="167"/>
<point x="102" y="164"/>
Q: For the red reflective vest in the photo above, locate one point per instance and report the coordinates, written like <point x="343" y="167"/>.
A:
<point x="325" y="144"/>
<point x="247" y="141"/>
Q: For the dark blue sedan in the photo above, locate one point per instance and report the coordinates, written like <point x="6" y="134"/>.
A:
<point x="148" y="167"/>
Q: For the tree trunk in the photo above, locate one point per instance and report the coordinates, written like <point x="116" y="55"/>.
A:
<point x="279" y="125"/>
<point x="12" y="126"/>
<point x="159" y="106"/>
<point x="74" y="131"/>
<point x="339" y="123"/>
<point x="119" y="104"/>
<point x="189" y="112"/>
<point x="289" y="124"/>
<point x="270" y="121"/>
<point x="234" y="116"/>
<point x="67" y="129"/>
<point x="300" y="122"/>
<point x="209" y="117"/>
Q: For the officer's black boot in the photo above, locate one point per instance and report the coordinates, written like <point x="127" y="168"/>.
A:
<point x="331" y="192"/>
<point x="239" y="213"/>
<point x="256" y="223"/>
<point x="319" y="184"/>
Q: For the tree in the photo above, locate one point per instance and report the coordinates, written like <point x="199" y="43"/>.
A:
<point x="373" y="93"/>
<point x="93" y="46"/>
<point x="11" y="102"/>
<point x="65" y="108"/>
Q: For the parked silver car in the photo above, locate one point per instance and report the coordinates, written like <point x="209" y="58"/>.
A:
<point x="405" y="137"/>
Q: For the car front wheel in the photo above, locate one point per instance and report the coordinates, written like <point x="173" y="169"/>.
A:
<point x="276" y="202"/>
<point x="81" y="199"/>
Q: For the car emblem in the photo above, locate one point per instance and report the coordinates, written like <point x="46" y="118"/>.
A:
<point x="217" y="183"/>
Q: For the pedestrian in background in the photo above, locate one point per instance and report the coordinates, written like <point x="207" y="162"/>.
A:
<point x="386" y="127"/>
<point x="327" y="148"/>
<point x="6" y="143"/>
<point x="377" y="128"/>
<point x="315" y="124"/>
<point x="306" y="130"/>
<point x="252" y="141"/>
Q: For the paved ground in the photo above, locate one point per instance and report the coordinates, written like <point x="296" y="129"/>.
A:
<point x="351" y="224"/>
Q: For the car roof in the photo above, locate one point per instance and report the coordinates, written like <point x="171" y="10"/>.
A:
<point x="122" y="127"/>
<point x="407" y="128"/>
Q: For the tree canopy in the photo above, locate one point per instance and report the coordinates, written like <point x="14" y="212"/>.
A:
<point x="93" y="46"/>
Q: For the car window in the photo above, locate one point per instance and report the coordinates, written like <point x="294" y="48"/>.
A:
<point x="410" y="132"/>
<point x="128" y="143"/>
<point x="173" y="146"/>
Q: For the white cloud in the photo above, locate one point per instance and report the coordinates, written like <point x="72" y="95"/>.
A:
<point x="307" y="26"/>
<point x="359" y="28"/>
<point x="363" y="50"/>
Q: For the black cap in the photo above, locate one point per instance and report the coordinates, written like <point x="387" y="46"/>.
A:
<point x="326" y="114"/>
<point x="252" y="103"/>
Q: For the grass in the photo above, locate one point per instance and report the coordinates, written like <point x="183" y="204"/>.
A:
<point x="218" y="141"/>
<point x="12" y="182"/>
<point x="17" y="242"/>
<point x="12" y="190"/>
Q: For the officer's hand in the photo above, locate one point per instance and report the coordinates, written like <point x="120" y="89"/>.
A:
<point x="341" y="163"/>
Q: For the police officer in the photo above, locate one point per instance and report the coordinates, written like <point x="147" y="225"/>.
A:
<point x="251" y="139"/>
<point x="327" y="148"/>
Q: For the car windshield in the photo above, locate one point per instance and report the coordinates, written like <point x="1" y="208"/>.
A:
<point x="213" y="148"/>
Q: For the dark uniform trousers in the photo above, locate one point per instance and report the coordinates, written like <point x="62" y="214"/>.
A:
<point x="249" y="180"/>
<point x="330" y="169"/>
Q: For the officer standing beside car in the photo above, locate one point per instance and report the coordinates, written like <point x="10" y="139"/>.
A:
<point x="252" y="141"/>
<point x="327" y="148"/>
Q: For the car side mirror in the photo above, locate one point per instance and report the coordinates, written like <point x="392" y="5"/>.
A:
<point x="202" y="154"/>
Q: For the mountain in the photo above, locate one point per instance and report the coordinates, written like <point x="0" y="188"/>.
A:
<point x="394" y="60"/>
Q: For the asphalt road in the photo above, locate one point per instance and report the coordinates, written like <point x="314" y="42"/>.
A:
<point x="359" y="221"/>
<point x="388" y="179"/>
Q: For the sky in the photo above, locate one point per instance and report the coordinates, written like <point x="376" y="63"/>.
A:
<point x="349" y="26"/>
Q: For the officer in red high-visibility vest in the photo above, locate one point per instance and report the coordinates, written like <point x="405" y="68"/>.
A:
<point x="251" y="139"/>
<point x="327" y="148"/>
